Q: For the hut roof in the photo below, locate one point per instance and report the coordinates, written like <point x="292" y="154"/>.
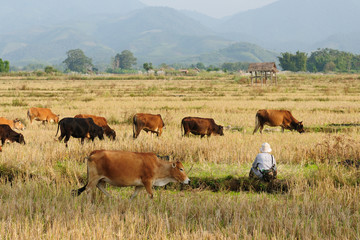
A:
<point x="266" y="67"/>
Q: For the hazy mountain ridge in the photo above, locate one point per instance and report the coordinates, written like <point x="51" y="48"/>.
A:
<point x="36" y="32"/>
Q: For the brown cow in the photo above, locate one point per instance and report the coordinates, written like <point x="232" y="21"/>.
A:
<point x="273" y="118"/>
<point x="100" y="121"/>
<point x="149" y="122"/>
<point x="125" y="169"/>
<point x="42" y="114"/>
<point x="14" y="124"/>
<point x="6" y="133"/>
<point x="201" y="126"/>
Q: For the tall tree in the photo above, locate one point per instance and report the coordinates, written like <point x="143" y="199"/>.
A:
<point x="125" y="60"/>
<point x="4" y="66"/>
<point x="76" y="61"/>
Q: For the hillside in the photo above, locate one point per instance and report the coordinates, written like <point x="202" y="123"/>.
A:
<point x="238" y="52"/>
<point x="293" y="25"/>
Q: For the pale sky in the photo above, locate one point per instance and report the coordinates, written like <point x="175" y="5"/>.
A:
<point x="213" y="8"/>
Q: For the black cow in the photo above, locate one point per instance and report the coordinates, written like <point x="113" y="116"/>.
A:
<point x="79" y="128"/>
<point x="6" y="133"/>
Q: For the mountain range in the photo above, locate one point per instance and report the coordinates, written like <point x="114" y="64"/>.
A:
<point x="43" y="31"/>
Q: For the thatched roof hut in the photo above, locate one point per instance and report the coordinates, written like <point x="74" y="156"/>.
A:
<point x="263" y="71"/>
<point x="263" y="67"/>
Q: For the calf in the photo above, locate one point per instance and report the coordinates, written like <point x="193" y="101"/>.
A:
<point x="6" y="133"/>
<point x="273" y="118"/>
<point x="201" y="126"/>
<point x="79" y="128"/>
<point x="125" y="169"/>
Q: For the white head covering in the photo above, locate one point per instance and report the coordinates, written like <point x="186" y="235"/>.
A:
<point x="265" y="148"/>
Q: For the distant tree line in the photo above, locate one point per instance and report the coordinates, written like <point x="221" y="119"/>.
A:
<point x="4" y="66"/>
<point x="322" y="60"/>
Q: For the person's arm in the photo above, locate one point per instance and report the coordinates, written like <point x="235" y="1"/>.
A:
<point x="255" y="168"/>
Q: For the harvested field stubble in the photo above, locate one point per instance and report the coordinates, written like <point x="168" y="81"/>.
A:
<point x="316" y="196"/>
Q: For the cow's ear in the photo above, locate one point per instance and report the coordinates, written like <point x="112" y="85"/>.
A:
<point x="301" y="122"/>
<point x="173" y="165"/>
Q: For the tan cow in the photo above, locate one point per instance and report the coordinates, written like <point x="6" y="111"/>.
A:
<point x="42" y="114"/>
<point x="149" y="122"/>
<point x="100" y="121"/>
<point x="14" y="124"/>
<point x="273" y="118"/>
<point x="125" y="169"/>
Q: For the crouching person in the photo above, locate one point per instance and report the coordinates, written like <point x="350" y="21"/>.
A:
<point x="264" y="166"/>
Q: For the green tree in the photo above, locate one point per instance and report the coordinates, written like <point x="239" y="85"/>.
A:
<point x="293" y="62"/>
<point x="125" y="60"/>
<point x="147" y="66"/>
<point x="76" y="61"/>
<point x="4" y="66"/>
<point x="50" y="69"/>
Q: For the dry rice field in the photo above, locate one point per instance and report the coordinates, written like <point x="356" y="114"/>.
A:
<point x="321" y="202"/>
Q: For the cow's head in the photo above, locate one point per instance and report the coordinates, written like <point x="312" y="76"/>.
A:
<point x="178" y="172"/>
<point x="56" y="118"/>
<point x="110" y="133"/>
<point x="300" y="127"/>
<point x="18" y="125"/>
<point x="220" y="130"/>
<point x="20" y="139"/>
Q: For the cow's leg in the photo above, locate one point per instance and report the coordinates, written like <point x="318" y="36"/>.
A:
<point x="261" y="128"/>
<point x="3" y="141"/>
<point x="148" y="187"/>
<point x="137" y="190"/>
<point x="82" y="141"/>
<point x="138" y="130"/>
<point x="282" y="129"/>
<point x="202" y="135"/>
<point x="101" y="185"/>
<point x="159" y="132"/>
<point x="67" y="139"/>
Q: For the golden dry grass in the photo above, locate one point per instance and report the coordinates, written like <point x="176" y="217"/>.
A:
<point x="322" y="201"/>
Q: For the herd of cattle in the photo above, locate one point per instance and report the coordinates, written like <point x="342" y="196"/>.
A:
<point x="90" y="126"/>
<point x="121" y="168"/>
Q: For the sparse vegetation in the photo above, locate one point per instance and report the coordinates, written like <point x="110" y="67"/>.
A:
<point x="315" y="196"/>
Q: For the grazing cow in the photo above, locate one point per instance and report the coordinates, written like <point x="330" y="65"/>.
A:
<point x="14" y="124"/>
<point x="100" y="121"/>
<point x="274" y="118"/>
<point x="125" y="169"/>
<point x="201" y="126"/>
<point x="42" y="114"/>
<point x="149" y="122"/>
<point x="6" y="133"/>
<point x="79" y="128"/>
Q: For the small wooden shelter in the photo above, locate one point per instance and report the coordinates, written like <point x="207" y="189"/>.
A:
<point x="263" y="72"/>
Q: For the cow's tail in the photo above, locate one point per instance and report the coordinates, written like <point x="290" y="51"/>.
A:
<point x="257" y="122"/>
<point x="28" y="114"/>
<point x="134" y="124"/>
<point x="57" y="129"/>
<point x="182" y="128"/>
<point x="77" y="192"/>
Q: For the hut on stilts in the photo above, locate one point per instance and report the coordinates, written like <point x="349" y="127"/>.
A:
<point x="263" y="72"/>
